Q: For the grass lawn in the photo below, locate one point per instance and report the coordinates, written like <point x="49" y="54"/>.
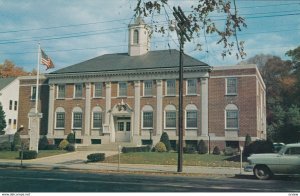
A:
<point x="42" y="153"/>
<point x="170" y="158"/>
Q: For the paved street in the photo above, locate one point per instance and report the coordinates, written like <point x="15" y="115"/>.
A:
<point x="66" y="181"/>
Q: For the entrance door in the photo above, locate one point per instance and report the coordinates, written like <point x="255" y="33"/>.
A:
<point x="123" y="128"/>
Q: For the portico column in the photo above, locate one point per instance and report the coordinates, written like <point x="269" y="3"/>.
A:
<point x="159" y="109"/>
<point x="204" y="106"/>
<point x="108" y="116"/>
<point x="87" y="109"/>
<point x="137" y="107"/>
<point x="51" y="111"/>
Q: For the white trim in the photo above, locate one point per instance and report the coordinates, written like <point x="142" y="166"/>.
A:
<point x="236" y="86"/>
<point x="232" y="107"/>
<point x="97" y="109"/>
<point x="118" y="91"/>
<point x="94" y="90"/>
<point x="187" y="88"/>
<point x="32" y="98"/>
<point x="61" y="110"/>
<point x="147" y="108"/>
<point x="74" y="92"/>
<point x="57" y="91"/>
<point x="76" y="109"/>
<point x="151" y="88"/>
<point x="170" y="108"/>
<point x="166" y="88"/>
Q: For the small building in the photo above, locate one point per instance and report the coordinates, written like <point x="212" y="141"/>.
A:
<point x="133" y="98"/>
<point x="9" y="99"/>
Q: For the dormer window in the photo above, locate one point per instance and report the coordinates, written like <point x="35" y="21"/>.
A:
<point x="135" y="37"/>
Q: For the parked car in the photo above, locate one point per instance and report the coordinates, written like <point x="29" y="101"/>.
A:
<point x="286" y="161"/>
<point x="277" y="146"/>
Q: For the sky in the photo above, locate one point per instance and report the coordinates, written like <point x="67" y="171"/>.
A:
<point x="72" y="31"/>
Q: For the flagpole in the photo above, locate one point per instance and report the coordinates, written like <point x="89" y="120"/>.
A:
<point x="37" y="80"/>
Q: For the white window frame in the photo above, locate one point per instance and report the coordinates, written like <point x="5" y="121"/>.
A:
<point x="147" y="108"/>
<point x="60" y="110"/>
<point x="144" y="87"/>
<point x="232" y="108"/>
<point x="33" y="96"/>
<point x="99" y="110"/>
<point x="75" y="91"/>
<point x="120" y="91"/>
<point x="167" y="88"/>
<point x="101" y="92"/>
<point x="77" y="110"/>
<point x="227" y="82"/>
<point x="187" y="87"/>
<point x="170" y="108"/>
<point x="57" y="90"/>
<point x="136" y="36"/>
<point x="191" y="108"/>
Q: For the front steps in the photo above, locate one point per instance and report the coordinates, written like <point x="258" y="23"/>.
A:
<point x="104" y="147"/>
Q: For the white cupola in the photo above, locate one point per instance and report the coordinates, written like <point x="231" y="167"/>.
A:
<point x="139" y="37"/>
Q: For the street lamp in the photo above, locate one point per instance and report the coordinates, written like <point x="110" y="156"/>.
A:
<point x="183" y="25"/>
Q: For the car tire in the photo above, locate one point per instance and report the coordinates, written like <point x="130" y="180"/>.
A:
<point x="262" y="172"/>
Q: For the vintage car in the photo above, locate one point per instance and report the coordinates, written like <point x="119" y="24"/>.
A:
<point x="286" y="161"/>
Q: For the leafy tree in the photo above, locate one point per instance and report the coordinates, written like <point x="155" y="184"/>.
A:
<point x="43" y="143"/>
<point x="9" y="69"/>
<point x="16" y="144"/>
<point x="165" y="139"/>
<point x="71" y="138"/>
<point x="2" y="120"/>
<point x="201" y="21"/>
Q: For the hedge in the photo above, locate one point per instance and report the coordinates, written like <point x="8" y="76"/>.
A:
<point x="95" y="157"/>
<point x="28" y="154"/>
<point x="189" y="150"/>
<point x="136" y="149"/>
<point x="5" y="146"/>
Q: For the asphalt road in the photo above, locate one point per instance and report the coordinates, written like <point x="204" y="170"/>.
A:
<point x="17" y="180"/>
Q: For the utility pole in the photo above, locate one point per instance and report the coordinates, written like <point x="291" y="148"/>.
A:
<point x="183" y="25"/>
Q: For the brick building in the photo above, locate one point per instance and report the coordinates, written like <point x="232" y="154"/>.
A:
<point x="133" y="98"/>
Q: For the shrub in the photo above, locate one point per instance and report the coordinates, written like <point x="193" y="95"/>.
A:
<point x="16" y="144"/>
<point x="216" y="150"/>
<point x="51" y="147"/>
<point x="136" y="149"/>
<point x="63" y="144"/>
<point x="189" y="150"/>
<point x="165" y="139"/>
<point x="43" y="143"/>
<point x="5" y="146"/>
<point x="28" y="154"/>
<point x="95" y="157"/>
<point x="202" y="147"/>
<point x="229" y="151"/>
<point x="70" y="138"/>
<point x="160" y="147"/>
<point x="259" y="146"/>
<point x="70" y="148"/>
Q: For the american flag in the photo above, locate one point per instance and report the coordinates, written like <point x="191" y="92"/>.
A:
<point x="45" y="60"/>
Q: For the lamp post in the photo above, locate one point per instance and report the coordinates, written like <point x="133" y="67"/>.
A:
<point x="183" y="24"/>
<point x="151" y="132"/>
<point x="74" y="132"/>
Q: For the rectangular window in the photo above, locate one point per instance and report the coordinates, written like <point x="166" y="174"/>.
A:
<point x="147" y="119"/>
<point x="170" y="119"/>
<point x="191" y="119"/>
<point x="77" y="120"/>
<point x="61" y="91"/>
<point x="231" y="86"/>
<point x="15" y="124"/>
<point x="16" y="106"/>
<point x="171" y="87"/>
<point x="97" y="120"/>
<point x="33" y="92"/>
<point x="60" y="120"/>
<point x="231" y="119"/>
<point x="191" y="87"/>
<point x="148" y="88"/>
<point x="122" y="89"/>
<point x="98" y="90"/>
<point x="10" y="104"/>
<point x="9" y="122"/>
<point x="78" y="91"/>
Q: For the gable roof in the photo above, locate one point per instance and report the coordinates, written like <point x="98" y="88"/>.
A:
<point x="6" y="81"/>
<point x="122" y="61"/>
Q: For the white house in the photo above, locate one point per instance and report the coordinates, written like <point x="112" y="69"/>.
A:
<point x="9" y="99"/>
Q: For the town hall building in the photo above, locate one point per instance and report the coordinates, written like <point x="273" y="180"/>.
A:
<point x="133" y="98"/>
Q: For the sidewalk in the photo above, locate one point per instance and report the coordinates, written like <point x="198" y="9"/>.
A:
<point x="77" y="161"/>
